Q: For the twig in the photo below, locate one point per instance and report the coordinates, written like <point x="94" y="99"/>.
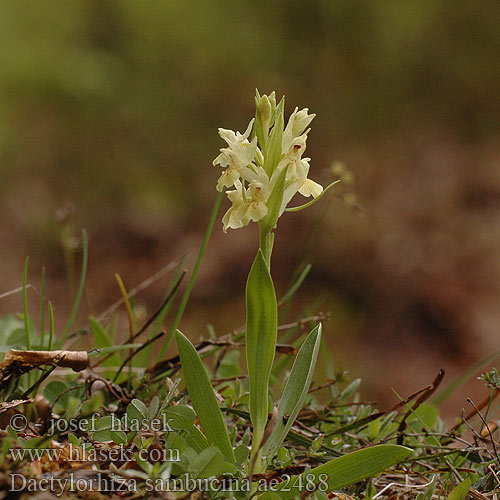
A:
<point x="423" y="397"/>
<point x="485" y="402"/>
<point x="469" y="400"/>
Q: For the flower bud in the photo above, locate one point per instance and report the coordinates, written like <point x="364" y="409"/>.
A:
<point x="264" y="110"/>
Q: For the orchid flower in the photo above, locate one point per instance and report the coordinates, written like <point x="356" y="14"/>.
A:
<point x="265" y="165"/>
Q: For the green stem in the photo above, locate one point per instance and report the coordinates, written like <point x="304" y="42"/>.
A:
<point x="266" y="244"/>
<point x="79" y="292"/>
<point x="42" y="310"/>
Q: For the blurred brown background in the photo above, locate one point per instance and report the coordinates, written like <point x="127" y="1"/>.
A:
<point x="113" y="108"/>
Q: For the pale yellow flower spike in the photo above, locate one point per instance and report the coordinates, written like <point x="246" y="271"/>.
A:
<point x="243" y="161"/>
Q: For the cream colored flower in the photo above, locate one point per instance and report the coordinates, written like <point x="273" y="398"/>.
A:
<point x="232" y="218"/>
<point x="255" y="207"/>
<point x="236" y="157"/>
<point x="297" y="123"/>
<point x="310" y="188"/>
<point x="243" y="163"/>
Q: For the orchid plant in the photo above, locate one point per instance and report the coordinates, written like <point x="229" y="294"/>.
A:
<point x="263" y="169"/>
<point x="266" y="168"/>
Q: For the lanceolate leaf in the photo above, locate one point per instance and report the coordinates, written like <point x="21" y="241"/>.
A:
<point x="203" y="398"/>
<point x="261" y="330"/>
<point x="196" y="439"/>
<point x="295" y="391"/>
<point x="348" y="469"/>
<point x="460" y="491"/>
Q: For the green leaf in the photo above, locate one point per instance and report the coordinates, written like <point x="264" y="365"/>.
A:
<point x="428" y="493"/>
<point x="460" y="491"/>
<point x="175" y="442"/>
<point x="103" y="340"/>
<point x="229" y="365"/>
<point x="203" y="398"/>
<point x="154" y="406"/>
<point x="295" y="391"/>
<point x="182" y="417"/>
<point x="269" y="495"/>
<point x="348" y="469"/>
<point x="71" y="408"/>
<point x="54" y="389"/>
<point x="196" y="439"/>
<point x="108" y="428"/>
<point x="101" y="337"/>
<point x="208" y="463"/>
<point x="261" y="331"/>
<point x="350" y="389"/>
<point x="241" y="453"/>
<point x="9" y="324"/>
<point x="136" y="412"/>
<point x="426" y="414"/>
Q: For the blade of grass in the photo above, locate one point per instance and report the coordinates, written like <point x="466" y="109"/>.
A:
<point x="128" y="306"/>
<point x="42" y="309"/>
<point x="203" y="398"/>
<point x="130" y="317"/>
<point x="27" y="328"/>
<point x="163" y="312"/>
<point x="329" y="366"/>
<point x="192" y="278"/>
<point x="51" y="327"/>
<point x="79" y="292"/>
<point x="296" y="285"/>
<point x="448" y="390"/>
<point x="141" y="286"/>
<point x="170" y="297"/>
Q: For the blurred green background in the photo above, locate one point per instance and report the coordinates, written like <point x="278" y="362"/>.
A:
<point x="109" y="113"/>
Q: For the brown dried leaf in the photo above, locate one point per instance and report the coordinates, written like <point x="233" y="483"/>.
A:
<point x="25" y="360"/>
<point x="12" y="404"/>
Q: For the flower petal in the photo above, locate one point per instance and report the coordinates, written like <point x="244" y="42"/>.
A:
<point x="310" y="188"/>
